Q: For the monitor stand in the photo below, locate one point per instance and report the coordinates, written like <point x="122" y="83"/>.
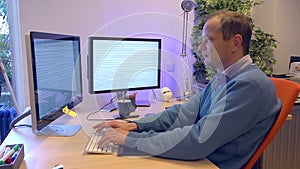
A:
<point x="59" y="130"/>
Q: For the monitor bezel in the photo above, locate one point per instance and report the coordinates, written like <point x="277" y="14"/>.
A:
<point x="90" y="70"/>
<point x="37" y="122"/>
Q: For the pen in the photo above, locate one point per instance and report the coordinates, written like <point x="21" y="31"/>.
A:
<point x="2" y="152"/>
<point x="3" y="159"/>
<point x="6" y="150"/>
<point x="14" y="156"/>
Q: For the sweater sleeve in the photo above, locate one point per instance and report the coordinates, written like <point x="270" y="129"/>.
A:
<point x="230" y="117"/>
<point x="177" y="116"/>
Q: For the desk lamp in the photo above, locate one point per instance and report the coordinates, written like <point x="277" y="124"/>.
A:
<point x="186" y="6"/>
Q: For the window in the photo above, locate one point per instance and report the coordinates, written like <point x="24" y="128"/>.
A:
<point x="5" y="55"/>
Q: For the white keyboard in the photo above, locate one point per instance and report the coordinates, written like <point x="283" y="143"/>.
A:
<point x="92" y="146"/>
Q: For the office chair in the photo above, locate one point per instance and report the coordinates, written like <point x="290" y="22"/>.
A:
<point x="287" y="91"/>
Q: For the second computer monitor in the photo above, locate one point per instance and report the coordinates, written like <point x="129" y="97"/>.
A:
<point x="54" y="76"/>
<point x="123" y="64"/>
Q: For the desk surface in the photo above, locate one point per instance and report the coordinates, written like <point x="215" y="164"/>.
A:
<point x="45" y="152"/>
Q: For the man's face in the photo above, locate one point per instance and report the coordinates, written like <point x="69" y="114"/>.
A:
<point x="214" y="48"/>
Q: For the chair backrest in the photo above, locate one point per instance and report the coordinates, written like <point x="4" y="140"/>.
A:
<point x="287" y="91"/>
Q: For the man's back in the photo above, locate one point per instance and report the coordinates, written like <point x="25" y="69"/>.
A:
<point x="247" y="107"/>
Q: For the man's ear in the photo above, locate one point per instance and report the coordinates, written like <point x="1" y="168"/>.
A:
<point x="237" y="41"/>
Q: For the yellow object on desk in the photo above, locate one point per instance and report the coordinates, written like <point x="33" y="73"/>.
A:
<point x="69" y="112"/>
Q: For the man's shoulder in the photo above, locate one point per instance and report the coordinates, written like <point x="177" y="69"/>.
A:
<point x="252" y="73"/>
<point x="252" y="76"/>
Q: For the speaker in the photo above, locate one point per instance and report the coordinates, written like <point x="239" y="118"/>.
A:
<point x="166" y="94"/>
<point x="187" y="5"/>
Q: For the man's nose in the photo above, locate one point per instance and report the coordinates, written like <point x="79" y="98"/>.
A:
<point x="202" y="46"/>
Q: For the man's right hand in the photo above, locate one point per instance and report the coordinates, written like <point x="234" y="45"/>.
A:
<point x="124" y="125"/>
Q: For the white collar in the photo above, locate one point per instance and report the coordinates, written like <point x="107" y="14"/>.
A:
<point x="238" y="66"/>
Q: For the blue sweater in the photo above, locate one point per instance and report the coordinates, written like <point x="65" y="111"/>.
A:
<point x="224" y="123"/>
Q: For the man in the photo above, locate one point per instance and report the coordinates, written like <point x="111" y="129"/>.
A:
<point x="224" y="123"/>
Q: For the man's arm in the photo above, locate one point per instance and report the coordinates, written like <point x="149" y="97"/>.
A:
<point x="176" y="116"/>
<point x="231" y="117"/>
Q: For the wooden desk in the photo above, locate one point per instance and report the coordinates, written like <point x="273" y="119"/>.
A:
<point x="43" y="152"/>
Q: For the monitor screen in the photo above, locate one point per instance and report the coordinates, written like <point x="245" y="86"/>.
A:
<point x="54" y="71"/>
<point x="294" y="59"/>
<point x="123" y="64"/>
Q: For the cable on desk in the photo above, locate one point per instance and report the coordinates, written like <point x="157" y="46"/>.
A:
<point x="112" y="100"/>
<point x="23" y="125"/>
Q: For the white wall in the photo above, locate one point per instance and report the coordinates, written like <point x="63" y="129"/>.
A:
<point x="281" y="18"/>
<point x="157" y="18"/>
<point x="162" y="19"/>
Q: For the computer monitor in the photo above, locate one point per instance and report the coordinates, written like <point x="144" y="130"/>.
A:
<point x="294" y="64"/>
<point x="54" y="76"/>
<point x="123" y="64"/>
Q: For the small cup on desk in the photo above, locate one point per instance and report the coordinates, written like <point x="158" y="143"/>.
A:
<point x="125" y="107"/>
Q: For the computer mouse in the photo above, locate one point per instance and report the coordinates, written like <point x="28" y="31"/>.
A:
<point x="58" y="166"/>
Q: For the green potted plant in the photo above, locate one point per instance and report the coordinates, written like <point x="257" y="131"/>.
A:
<point x="262" y="43"/>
